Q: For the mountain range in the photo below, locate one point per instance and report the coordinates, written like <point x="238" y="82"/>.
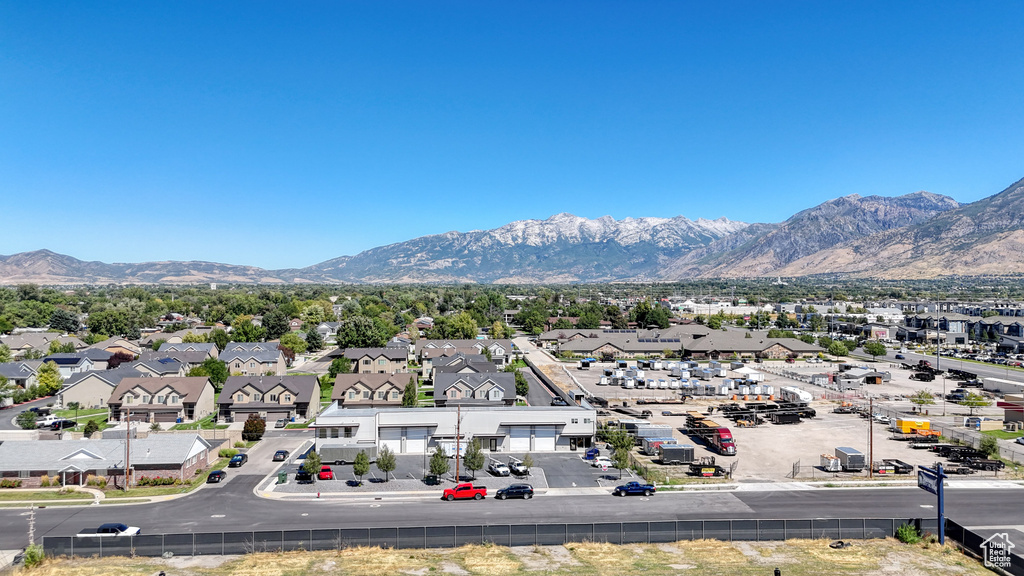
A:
<point x="919" y="235"/>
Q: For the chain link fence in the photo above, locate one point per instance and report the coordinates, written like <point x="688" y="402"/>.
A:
<point x="221" y="543"/>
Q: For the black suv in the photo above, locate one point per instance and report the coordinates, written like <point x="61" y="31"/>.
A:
<point x="303" y="477"/>
<point x="237" y="460"/>
<point x="62" y="424"/>
<point x="515" y="491"/>
<point x="216" y="476"/>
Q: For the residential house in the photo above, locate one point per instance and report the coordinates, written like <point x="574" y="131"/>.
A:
<point x="177" y="337"/>
<point x="70" y="462"/>
<point x="369" y="390"/>
<point x="461" y="363"/>
<point x="429" y="356"/>
<point x="160" y="367"/>
<point x="117" y="345"/>
<point x="500" y="351"/>
<point x="378" y="360"/>
<point x="69" y="363"/>
<point x="269" y="397"/>
<point x="93" y="389"/>
<point x="252" y="358"/>
<point x="487" y="389"/>
<point x="21" y="374"/>
<point x="188" y="360"/>
<point x="163" y="399"/>
<point x="22" y="343"/>
<point x="328" y="330"/>
<point x="208" y="348"/>
<point x="295" y="324"/>
<point x="99" y="357"/>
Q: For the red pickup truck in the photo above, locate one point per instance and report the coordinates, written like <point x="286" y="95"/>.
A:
<point x="464" y="491"/>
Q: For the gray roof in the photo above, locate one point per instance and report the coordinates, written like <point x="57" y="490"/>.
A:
<point x="67" y="359"/>
<point x="463" y="343"/>
<point x="389" y="353"/>
<point x="16" y="369"/>
<point x="161" y="365"/>
<point x="205" y="347"/>
<point x="505" y="380"/>
<point x="190" y="357"/>
<point x="251" y="346"/>
<point x="112" y="377"/>
<point x="261" y="356"/>
<point x="34" y="455"/>
<point x="301" y="386"/>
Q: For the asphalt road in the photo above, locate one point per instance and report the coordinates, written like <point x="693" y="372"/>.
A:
<point x="233" y="507"/>
<point x="7" y="415"/>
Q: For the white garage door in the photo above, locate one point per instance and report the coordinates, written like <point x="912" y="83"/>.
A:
<point x="416" y="440"/>
<point x="392" y="438"/>
<point x="544" y="438"/>
<point x="519" y="437"/>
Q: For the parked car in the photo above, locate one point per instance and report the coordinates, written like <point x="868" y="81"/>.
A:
<point x="281" y="423"/>
<point x="1020" y="440"/>
<point x="464" y="491"/>
<point x="62" y="424"/>
<point x="634" y="488"/>
<point x="237" y="460"/>
<point x="112" y="529"/>
<point x="303" y="477"/>
<point x="601" y="462"/>
<point x="216" y="476"/>
<point x="524" y="491"/>
<point x="518" y="468"/>
<point x="326" y="473"/>
<point x="280" y="456"/>
<point x="498" y="468"/>
<point x="558" y="401"/>
<point x="901" y="357"/>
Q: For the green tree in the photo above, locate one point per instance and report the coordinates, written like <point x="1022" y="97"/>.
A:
<point x="562" y="324"/>
<point x="64" y="320"/>
<point x="620" y="459"/>
<point x="276" y="324"/>
<point x="27" y="420"/>
<point x="974" y="400"/>
<point x="314" y="341"/>
<point x="474" y="457"/>
<point x="589" y="320"/>
<point x="312" y="463"/>
<point x="340" y="365"/>
<point x="7" y="389"/>
<point x="193" y="338"/>
<point x="461" y="326"/>
<point x="361" y="465"/>
<point x="989" y="446"/>
<point x="439" y="464"/>
<point x="253" y="428"/>
<point x="497" y="330"/>
<point x="922" y="398"/>
<point x="5" y="353"/>
<point x="56" y="347"/>
<point x="619" y="439"/>
<point x="243" y="330"/>
<point x="292" y="341"/>
<point x="91" y="427"/>
<point x="361" y="332"/>
<point x="714" y="322"/>
<point x="875" y="349"/>
<point x="386" y="462"/>
<point x="219" y="338"/>
<point x="48" y="379"/>
<point x="411" y="393"/>
<point x="214" y="369"/>
<point x="528" y="461"/>
<point x="522" y="384"/>
<point x="157" y="344"/>
<point x="837" y="348"/>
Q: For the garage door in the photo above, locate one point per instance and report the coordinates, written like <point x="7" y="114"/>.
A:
<point x="275" y="416"/>
<point x="165" y="416"/>
<point x="519" y="438"/>
<point x="243" y="416"/>
<point x="416" y="440"/>
<point x="544" y="438"/>
<point x="392" y="438"/>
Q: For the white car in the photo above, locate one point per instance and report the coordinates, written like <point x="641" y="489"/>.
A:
<point x="1020" y="440"/>
<point x="601" y="462"/>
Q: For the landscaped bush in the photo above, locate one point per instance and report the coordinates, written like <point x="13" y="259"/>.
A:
<point x="98" y="481"/>
<point x="157" y="481"/>
<point x="227" y="452"/>
<point x="239" y="444"/>
<point x="9" y="483"/>
<point x="44" y="481"/>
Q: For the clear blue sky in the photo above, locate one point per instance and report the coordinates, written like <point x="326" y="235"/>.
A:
<point x="281" y="134"/>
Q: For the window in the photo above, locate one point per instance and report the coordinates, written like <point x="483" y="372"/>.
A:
<point x="575" y="420"/>
<point x="586" y="420"/>
<point x="467" y="393"/>
<point x="351" y="394"/>
<point x="382" y="362"/>
<point x="322" y="432"/>
<point x="256" y="397"/>
<point x="334" y="432"/>
<point x="453" y="393"/>
<point x="366" y="361"/>
<point x="381" y="394"/>
<point x="394" y="394"/>
<point x="273" y="397"/>
<point x="348" y="432"/>
<point x="252" y="364"/>
<point x="287" y="397"/>
<point x="240" y="397"/>
<point x="128" y="399"/>
<point x="366" y="394"/>
<point x="145" y="399"/>
<point x="174" y="399"/>
<point x="238" y="364"/>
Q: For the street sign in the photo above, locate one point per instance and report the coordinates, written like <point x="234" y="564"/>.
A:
<point x="929" y="482"/>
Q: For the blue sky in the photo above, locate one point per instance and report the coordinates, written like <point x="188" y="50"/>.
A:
<point x="284" y="134"/>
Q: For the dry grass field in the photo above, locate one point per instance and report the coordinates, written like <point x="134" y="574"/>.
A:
<point x="707" y="557"/>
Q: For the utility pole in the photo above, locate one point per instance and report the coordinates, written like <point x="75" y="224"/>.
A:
<point x="871" y="438"/>
<point x="458" y="427"/>
<point x="127" y="447"/>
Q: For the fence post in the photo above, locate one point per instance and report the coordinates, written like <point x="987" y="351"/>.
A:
<point x="193" y="544"/>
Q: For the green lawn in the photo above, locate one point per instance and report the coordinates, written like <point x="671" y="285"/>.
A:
<point x="1003" y="434"/>
<point x="103" y="425"/>
<point x="6" y="495"/>
<point x="299" y="425"/>
<point x="204" y="424"/>
<point x="149" y="491"/>
<point x="72" y="414"/>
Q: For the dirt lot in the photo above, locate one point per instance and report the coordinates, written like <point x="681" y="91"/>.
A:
<point x="768" y="453"/>
<point x="710" y="557"/>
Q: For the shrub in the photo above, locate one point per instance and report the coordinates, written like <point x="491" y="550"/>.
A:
<point x="989" y="446"/>
<point x="90" y="479"/>
<point x="254" y="428"/>
<point x="8" y="483"/>
<point x="157" y="481"/>
<point x="227" y="452"/>
<point x="239" y="444"/>
<point x="44" y="481"/>
<point x="33" y="556"/>
<point x="908" y="534"/>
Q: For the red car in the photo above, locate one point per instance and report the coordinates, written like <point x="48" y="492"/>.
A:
<point x="326" y="473"/>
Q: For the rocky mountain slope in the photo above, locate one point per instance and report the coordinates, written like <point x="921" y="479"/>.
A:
<point x="984" y="237"/>
<point x="767" y="249"/>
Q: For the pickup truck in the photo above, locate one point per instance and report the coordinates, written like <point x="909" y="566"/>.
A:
<point x="111" y="529"/>
<point x="464" y="491"/>
<point x="634" y="488"/>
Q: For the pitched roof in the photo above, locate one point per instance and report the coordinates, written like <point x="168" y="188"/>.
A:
<point x="372" y="381"/>
<point x="67" y="359"/>
<point x="251" y="346"/>
<point x="261" y="356"/>
<point x="463" y="343"/>
<point x="188" y="388"/>
<point x="301" y="386"/>
<point x="38" y="340"/>
<point x="160" y="365"/>
<point x="112" y="377"/>
<point x="190" y="357"/>
<point x="18" y="455"/>
<point x="116" y="341"/>
<point x="389" y="353"/>
<point x="205" y="347"/>
<point x="16" y="369"/>
<point x="505" y="380"/>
